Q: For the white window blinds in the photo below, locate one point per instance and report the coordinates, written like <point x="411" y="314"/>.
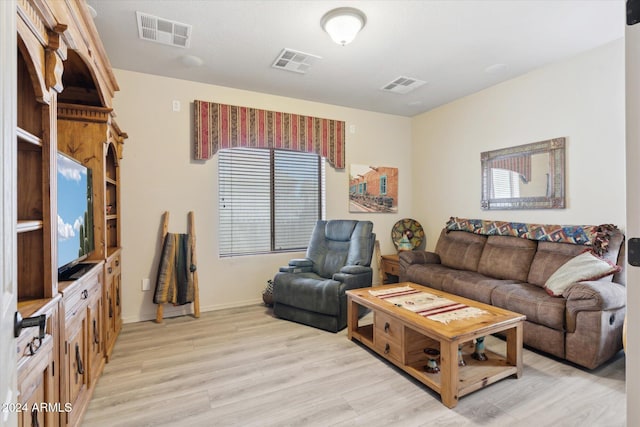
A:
<point x="270" y="199"/>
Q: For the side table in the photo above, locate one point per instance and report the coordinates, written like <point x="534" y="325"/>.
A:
<point x="390" y="267"/>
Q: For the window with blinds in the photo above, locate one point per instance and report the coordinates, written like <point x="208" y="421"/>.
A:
<point x="505" y="184"/>
<point x="270" y="199"/>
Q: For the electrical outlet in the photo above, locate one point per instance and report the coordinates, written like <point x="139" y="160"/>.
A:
<point x="146" y="285"/>
<point x="176" y="105"/>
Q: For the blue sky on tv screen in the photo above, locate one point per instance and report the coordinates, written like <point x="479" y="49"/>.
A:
<point x="72" y="205"/>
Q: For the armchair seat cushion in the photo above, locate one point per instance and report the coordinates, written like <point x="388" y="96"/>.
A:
<point x="308" y="291"/>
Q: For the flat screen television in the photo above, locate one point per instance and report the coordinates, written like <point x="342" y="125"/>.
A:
<point x="75" y="217"/>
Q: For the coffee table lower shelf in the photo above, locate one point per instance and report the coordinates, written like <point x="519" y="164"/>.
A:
<point x="402" y="339"/>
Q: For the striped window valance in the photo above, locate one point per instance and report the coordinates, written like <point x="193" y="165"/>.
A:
<point x="219" y="126"/>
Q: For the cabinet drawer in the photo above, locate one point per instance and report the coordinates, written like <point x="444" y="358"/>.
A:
<point x="387" y="327"/>
<point x="29" y="343"/>
<point x="387" y="336"/>
<point x="113" y="265"/>
<point x="79" y="295"/>
<point x="392" y="268"/>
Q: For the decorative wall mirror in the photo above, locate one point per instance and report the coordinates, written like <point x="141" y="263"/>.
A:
<point x="529" y="176"/>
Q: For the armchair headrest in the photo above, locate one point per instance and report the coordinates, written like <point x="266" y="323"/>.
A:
<point x="339" y="229"/>
<point x="340" y="242"/>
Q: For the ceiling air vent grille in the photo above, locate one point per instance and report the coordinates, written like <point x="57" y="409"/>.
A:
<point x="403" y="85"/>
<point x="293" y="60"/>
<point x="165" y="31"/>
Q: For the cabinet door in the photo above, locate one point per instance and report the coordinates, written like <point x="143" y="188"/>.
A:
<point x="117" y="293"/>
<point x="76" y="352"/>
<point x="30" y="414"/>
<point x="37" y="387"/>
<point x="95" y="339"/>
<point x="109" y="312"/>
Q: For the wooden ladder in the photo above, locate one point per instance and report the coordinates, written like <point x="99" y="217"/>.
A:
<point x="191" y="230"/>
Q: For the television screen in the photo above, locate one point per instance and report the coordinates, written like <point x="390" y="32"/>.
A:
<point x="75" y="212"/>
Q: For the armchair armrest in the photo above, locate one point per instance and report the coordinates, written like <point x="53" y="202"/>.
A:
<point x="298" y="265"/>
<point x="596" y="295"/>
<point x="355" y="269"/>
<point x="300" y="262"/>
<point x="354" y="276"/>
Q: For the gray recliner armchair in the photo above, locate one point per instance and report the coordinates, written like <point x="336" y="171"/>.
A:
<point x="311" y="290"/>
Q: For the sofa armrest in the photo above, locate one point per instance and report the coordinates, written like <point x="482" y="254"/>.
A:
<point x="596" y="295"/>
<point x="418" y="257"/>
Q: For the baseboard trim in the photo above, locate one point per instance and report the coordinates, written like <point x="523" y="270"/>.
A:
<point x="185" y="310"/>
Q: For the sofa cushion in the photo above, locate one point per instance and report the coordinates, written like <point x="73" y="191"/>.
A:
<point x="470" y="284"/>
<point x="549" y="257"/>
<point x="533" y="302"/>
<point x="430" y="275"/>
<point x="585" y="266"/>
<point x="507" y="257"/>
<point x="460" y="249"/>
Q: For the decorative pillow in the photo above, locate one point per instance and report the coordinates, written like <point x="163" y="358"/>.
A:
<point x="585" y="266"/>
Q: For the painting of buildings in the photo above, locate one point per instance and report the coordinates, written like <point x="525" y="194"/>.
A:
<point x="373" y="189"/>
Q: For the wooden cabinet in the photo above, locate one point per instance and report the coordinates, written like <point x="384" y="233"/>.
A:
<point x="90" y="135"/>
<point x="39" y="367"/>
<point x="83" y="352"/>
<point x="64" y="90"/>
<point x="37" y="87"/>
<point x="390" y="267"/>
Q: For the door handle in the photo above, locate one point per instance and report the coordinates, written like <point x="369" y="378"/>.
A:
<point x="19" y="324"/>
<point x="96" y="340"/>
<point x="79" y="364"/>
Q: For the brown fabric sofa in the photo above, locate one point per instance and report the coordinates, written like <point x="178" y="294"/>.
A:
<point x="583" y="326"/>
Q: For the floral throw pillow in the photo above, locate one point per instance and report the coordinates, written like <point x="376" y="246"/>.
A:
<point x="583" y="267"/>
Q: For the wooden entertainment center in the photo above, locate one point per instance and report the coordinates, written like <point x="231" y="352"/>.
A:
<point x="64" y="103"/>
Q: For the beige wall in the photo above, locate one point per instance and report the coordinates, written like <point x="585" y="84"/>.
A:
<point x="438" y="154"/>
<point x="581" y="98"/>
<point x="158" y="174"/>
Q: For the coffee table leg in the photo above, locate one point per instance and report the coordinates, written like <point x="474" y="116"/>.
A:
<point x="449" y="373"/>
<point x="352" y="317"/>
<point x="514" y="348"/>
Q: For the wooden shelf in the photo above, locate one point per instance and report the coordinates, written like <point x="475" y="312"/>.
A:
<point x="25" y="226"/>
<point x="25" y="136"/>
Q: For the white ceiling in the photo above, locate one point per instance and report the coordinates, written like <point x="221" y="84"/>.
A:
<point x="447" y="43"/>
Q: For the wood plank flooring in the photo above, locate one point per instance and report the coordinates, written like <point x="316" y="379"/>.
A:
<point x="244" y="367"/>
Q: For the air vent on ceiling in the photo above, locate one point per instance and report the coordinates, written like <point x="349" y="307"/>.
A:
<point x="293" y="60"/>
<point x="165" y="31"/>
<point x="403" y="85"/>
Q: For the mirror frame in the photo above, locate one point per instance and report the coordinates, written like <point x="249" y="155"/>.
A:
<point x="556" y="197"/>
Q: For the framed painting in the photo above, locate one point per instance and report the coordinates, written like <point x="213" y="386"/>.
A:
<point x="373" y="189"/>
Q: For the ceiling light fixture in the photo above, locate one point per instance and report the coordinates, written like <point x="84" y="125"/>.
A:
<point x="343" y="24"/>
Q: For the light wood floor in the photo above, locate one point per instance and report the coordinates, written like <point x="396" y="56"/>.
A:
<point x="243" y="367"/>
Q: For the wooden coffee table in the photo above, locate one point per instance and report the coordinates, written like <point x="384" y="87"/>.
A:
<point x="401" y="336"/>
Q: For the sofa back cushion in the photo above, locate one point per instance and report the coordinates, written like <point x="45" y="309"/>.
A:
<point x="460" y="249"/>
<point x="507" y="257"/>
<point x="549" y="257"/>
